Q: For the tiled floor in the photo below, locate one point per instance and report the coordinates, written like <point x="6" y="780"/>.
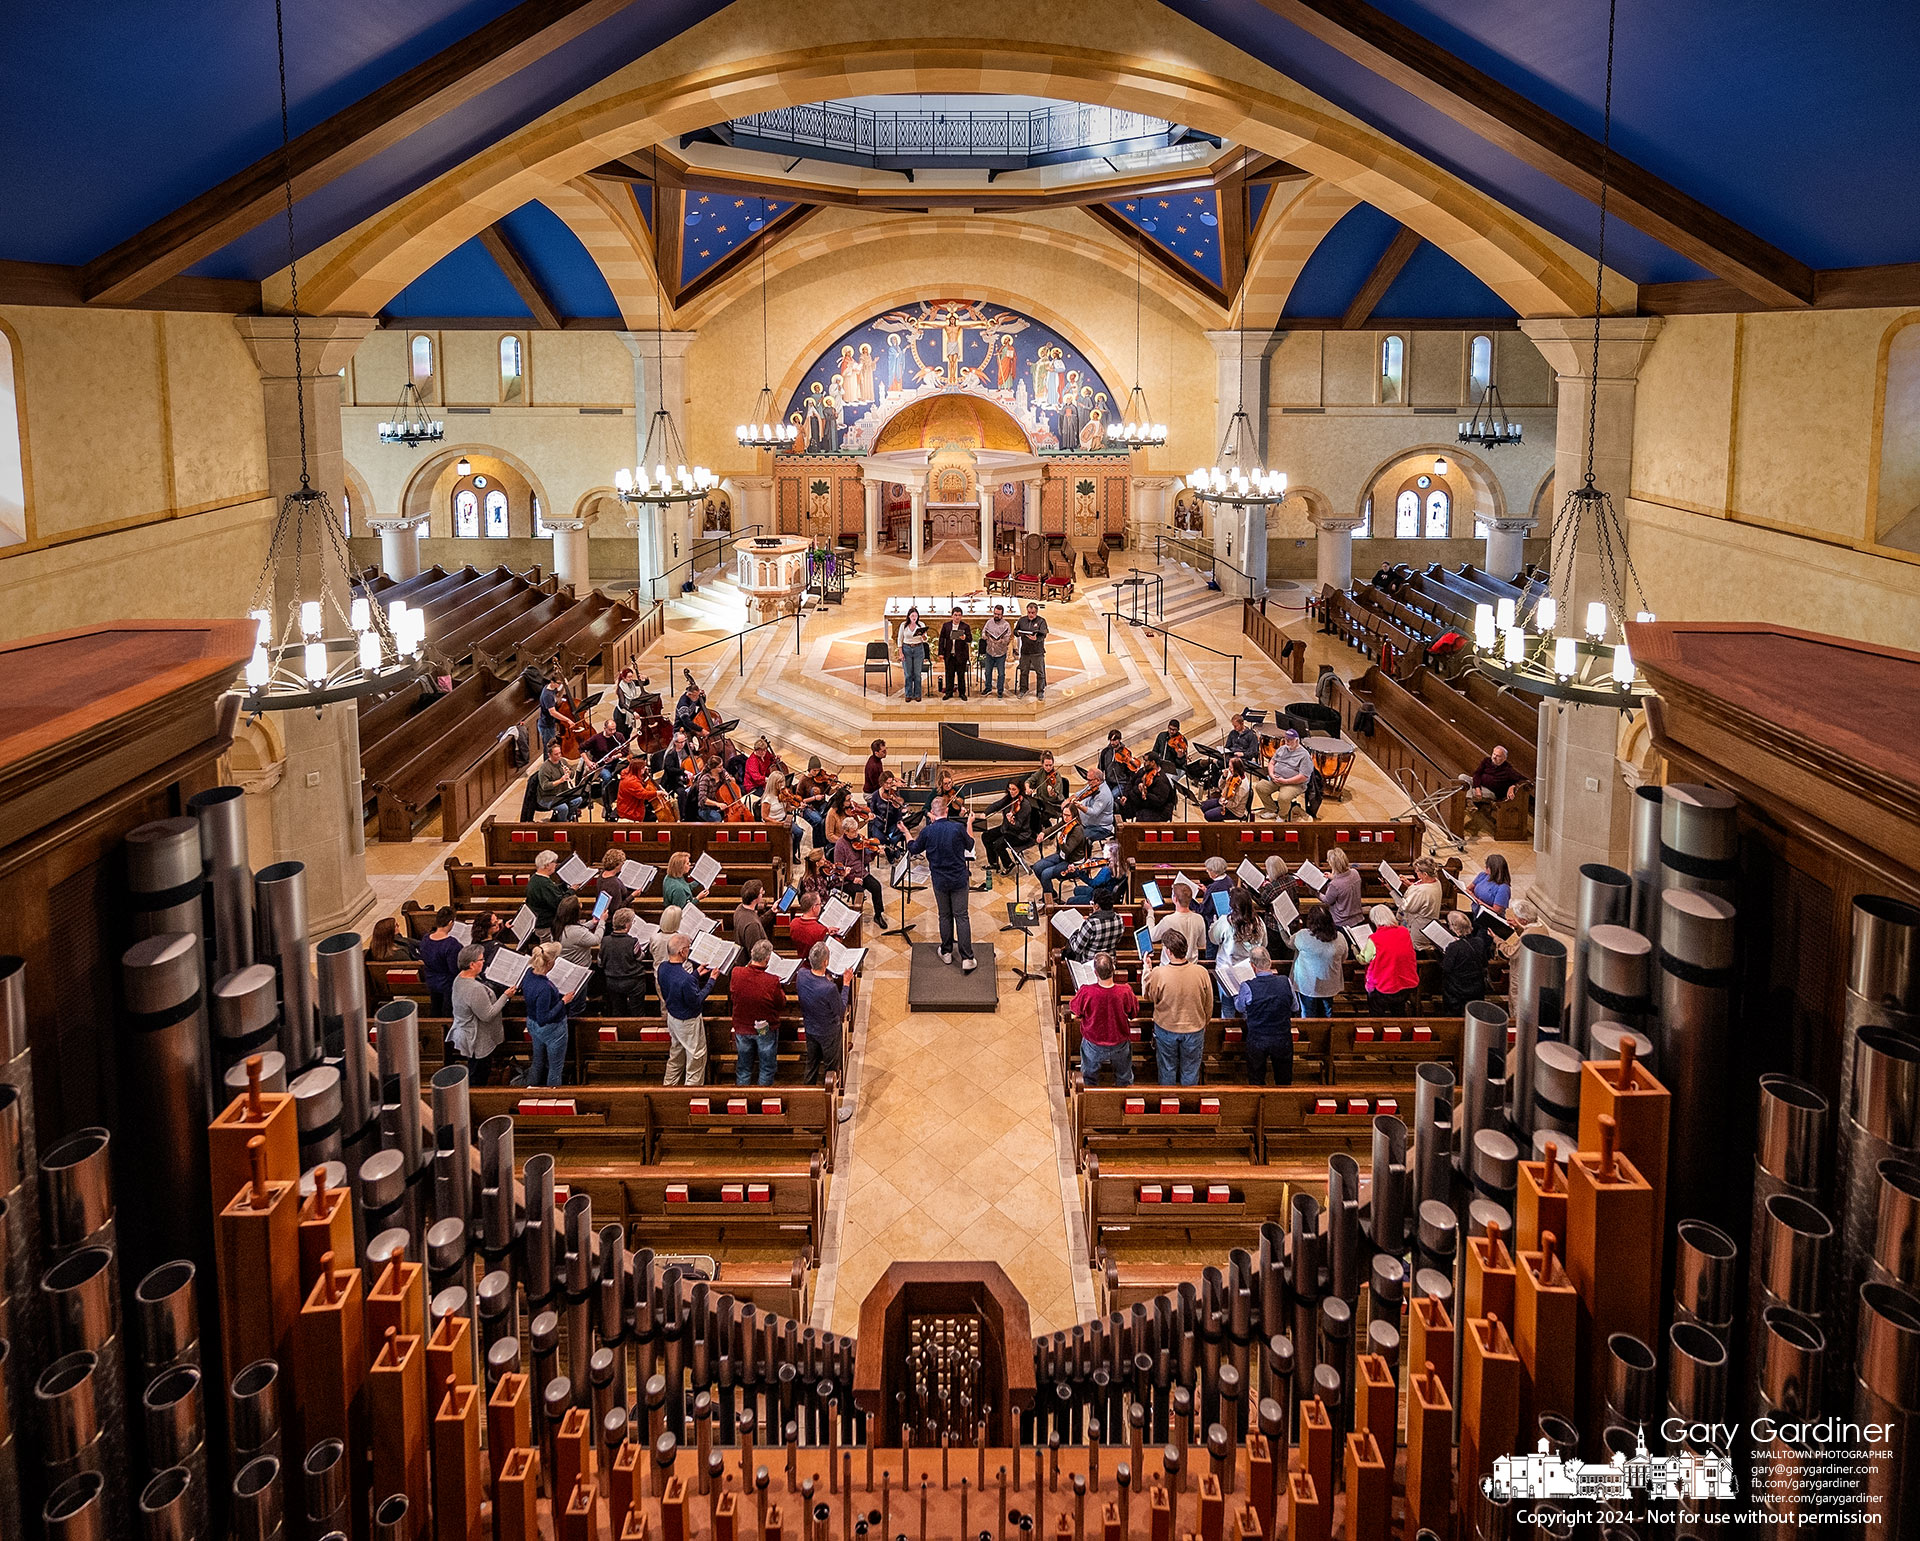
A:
<point x="958" y="1146"/>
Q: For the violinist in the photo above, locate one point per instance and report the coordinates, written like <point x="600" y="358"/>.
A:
<point x="1048" y="789"/>
<point x="1016" y="830"/>
<point x="1073" y="848"/>
<point x="1110" y="763"/>
<point x="876" y="766"/>
<point x="853" y="852"/>
<point x="779" y="806"/>
<point x="889" y="813"/>
<point x="1096" y="804"/>
<point x="670" y="764"/>
<point x="1170" y="749"/>
<point x="1097" y="874"/>
<point x="839" y="805"/>
<point x="630" y="701"/>
<point x="1233" y="798"/>
<point x="1150" y="797"/>
<point x="814" y="789"/>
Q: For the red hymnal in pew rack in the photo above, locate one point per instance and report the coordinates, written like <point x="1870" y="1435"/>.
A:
<point x="1150" y="1193"/>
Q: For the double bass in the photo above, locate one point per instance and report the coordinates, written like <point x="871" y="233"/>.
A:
<point x="563" y="713"/>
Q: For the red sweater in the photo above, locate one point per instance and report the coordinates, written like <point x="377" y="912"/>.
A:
<point x="1106" y="1013"/>
<point x="806" y="931"/>
<point x="757" y="997"/>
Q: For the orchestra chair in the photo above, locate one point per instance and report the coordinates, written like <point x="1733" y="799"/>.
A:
<point x="881" y="660"/>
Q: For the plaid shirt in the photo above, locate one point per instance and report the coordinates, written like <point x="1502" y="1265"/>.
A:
<point x="1102" y="931"/>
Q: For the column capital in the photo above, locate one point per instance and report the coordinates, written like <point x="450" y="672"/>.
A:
<point x="1514" y="524"/>
<point x="567" y="526"/>
<point x="326" y="343"/>
<point x="1227" y="346"/>
<point x="1330" y="523"/>
<point x="747" y="483"/>
<point x="399" y="524"/>
<point x="1567" y="343"/>
<point x="668" y="344"/>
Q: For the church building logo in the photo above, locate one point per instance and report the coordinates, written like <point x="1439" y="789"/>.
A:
<point x="1661" y="1478"/>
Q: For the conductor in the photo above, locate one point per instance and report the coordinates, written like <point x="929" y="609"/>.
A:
<point x="947" y="843"/>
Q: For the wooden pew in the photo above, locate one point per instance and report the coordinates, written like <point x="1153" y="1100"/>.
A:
<point x="1408" y="737"/>
<point x="1519" y="713"/>
<point x="1147" y="849"/>
<point x="464" y="769"/>
<point x="660" y="1125"/>
<point x="790" y="1220"/>
<point x="1481" y="728"/>
<point x="1294" y="1127"/>
<point x="393" y="748"/>
<point x="456" y="638"/>
<point x="505" y="889"/>
<point x="1119" y="1209"/>
<point x="504" y="641"/>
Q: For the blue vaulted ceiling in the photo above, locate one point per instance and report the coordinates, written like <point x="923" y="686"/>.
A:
<point x="1797" y="124"/>
<point x="468" y="282"/>
<point x="714" y="225"/>
<point x="1257" y="197"/>
<point x="1431" y="286"/>
<point x="1184" y="225"/>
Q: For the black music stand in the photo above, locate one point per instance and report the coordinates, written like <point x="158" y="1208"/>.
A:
<point x="903" y="895"/>
<point x="1021" y="918"/>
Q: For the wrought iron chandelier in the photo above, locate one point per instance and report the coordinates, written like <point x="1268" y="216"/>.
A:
<point x="1530" y="644"/>
<point x="1490" y="426"/>
<point x="663" y="476"/>
<point x="1135" y="428"/>
<point x="322" y="636"/>
<point x="410" y="425"/>
<point x="1236" y="478"/>
<point x="764" y="429"/>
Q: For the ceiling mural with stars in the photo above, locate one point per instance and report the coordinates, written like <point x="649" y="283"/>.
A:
<point x="949" y="347"/>
<point x="716" y="224"/>
<point x="1184" y="225"/>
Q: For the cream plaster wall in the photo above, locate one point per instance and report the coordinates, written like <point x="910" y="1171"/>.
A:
<point x="1754" y="476"/>
<point x="1325" y="433"/>
<point x="146" y="470"/>
<point x="1088" y="302"/>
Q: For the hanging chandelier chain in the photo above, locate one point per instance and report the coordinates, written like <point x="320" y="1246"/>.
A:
<point x="1600" y="257"/>
<point x="766" y="370"/>
<point x="293" y="266"/>
<point x="1136" y="315"/>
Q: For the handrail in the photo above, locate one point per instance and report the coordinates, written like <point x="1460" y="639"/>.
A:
<point x="1165" y="634"/>
<point x="739" y="638"/>
<point x="731" y="538"/>
<point x="1163" y="539"/>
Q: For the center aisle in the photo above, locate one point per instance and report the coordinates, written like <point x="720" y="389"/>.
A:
<point x="955" y="1146"/>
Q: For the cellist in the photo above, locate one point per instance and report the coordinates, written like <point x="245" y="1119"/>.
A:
<point x="557" y="724"/>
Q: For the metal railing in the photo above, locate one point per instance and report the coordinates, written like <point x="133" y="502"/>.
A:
<point x="718" y="543"/>
<point x="925" y="134"/>
<point x="739" y="639"/>
<point x="1165" y="635"/>
<point x="1145" y="588"/>
<point x="1212" y="558"/>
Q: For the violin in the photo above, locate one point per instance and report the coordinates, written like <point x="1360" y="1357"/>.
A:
<point x="1177" y="745"/>
<point x="1125" y="759"/>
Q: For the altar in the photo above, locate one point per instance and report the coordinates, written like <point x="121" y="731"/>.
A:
<point x="953" y="521"/>
<point x="975" y="610"/>
<point x="771" y="570"/>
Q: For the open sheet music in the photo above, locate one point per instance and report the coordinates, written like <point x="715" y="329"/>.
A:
<point x="1234" y="975"/>
<point x="1083" y="974"/>
<point x="693" y="922"/>
<point x="841" y="958"/>
<point x="566" y="977"/>
<point x="642" y="930"/>
<point x="705" y="870"/>
<point x="573" y="871"/>
<point x="1285" y="910"/>
<point x="1249" y="874"/>
<point x="1311" y="875"/>
<point x="506" y="968"/>
<point x="1360" y="932"/>
<point x="783" y="969"/>
<point x="838" y="915"/>
<point x="1438" y="934"/>
<point x="1068" y="923"/>
<point x="636" y="876"/>
<point x="712" y="953"/>
<point x="1391" y="878"/>
<point x="522" y="923"/>
<point x="463" y="932"/>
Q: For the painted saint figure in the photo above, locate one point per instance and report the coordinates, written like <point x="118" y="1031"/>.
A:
<point x="1004" y="375"/>
<point x="896" y="363"/>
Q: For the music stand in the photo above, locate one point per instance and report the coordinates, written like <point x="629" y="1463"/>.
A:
<point x="903" y="893"/>
<point x="1019" y="866"/>
<point x="1021" y="918"/>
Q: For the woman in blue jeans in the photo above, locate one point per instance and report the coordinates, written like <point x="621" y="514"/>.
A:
<point x="913" y="654"/>
<point x="1319" y="963"/>
<point x="546" y="1019"/>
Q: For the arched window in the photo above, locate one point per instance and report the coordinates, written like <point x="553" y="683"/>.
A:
<point x="1479" y="364"/>
<point x="1439" y="514"/>
<point x="540" y="530"/>
<point x="466" y="515"/>
<point x="496" y="515"/>
<point x="346" y="511"/>
<point x="421" y="350"/>
<point x="510" y="373"/>
<point x="1406" y="515"/>
<point x="1393" y="358"/>
<point x="13" y="470"/>
<point x="1366" y="520"/>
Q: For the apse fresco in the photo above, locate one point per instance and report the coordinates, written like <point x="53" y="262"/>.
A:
<point x="945" y="347"/>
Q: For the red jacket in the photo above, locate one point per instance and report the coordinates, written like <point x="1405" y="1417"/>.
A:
<point x="757" y="997"/>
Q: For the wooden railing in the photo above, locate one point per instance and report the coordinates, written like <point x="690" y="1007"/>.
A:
<point x="1289" y="654"/>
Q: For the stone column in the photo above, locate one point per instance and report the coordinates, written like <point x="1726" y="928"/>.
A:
<point x="986" y="527"/>
<point x="1147" y="511"/>
<point x="752" y="502"/>
<point x="659" y="379"/>
<point x="1506" y="545"/>
<point x="399" y="545"/>
<point x="1580" y="799"/>
<point x="919" y="533"/>
<point x="1241" y="540"/>
<point x="1242" y="382"/>
<point x="571" y="555"/>
<point x="313" y="805"/>
<point x="1333" y="549"/>
<point x="1030" y="506"/>
<point x="874" y="492"/>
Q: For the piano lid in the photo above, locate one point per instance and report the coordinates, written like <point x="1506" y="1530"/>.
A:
<point x="961" y="742"/>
